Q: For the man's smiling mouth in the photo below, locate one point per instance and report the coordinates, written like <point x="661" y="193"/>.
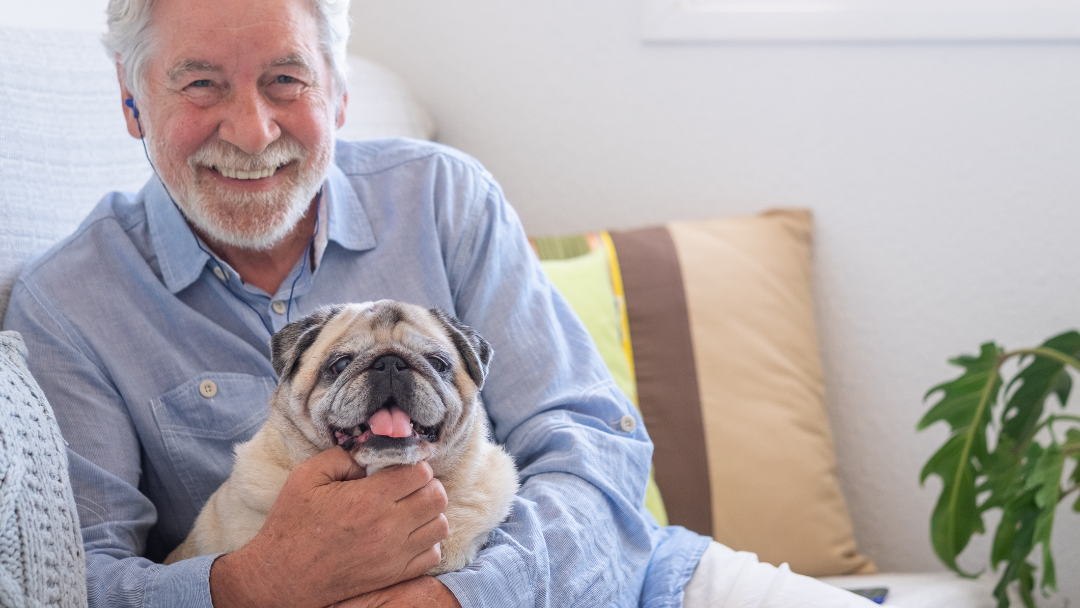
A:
<point x="237" y="174"/>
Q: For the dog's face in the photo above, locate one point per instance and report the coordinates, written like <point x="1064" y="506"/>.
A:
<point x="389" y="382"/>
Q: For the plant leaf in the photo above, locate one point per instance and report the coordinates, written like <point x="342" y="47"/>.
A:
<point x="1062" y="388"/>
<point x="1000" y="469"/>
<point x="962" y="395"/>
<point x="1027" y="584"/>
<point x="1045" y="480"/>
<point x="965" y="405"/>
<point x="1013" y="543"/>
<point x="1008" y="527"/>
<point x="956" y="517"/>
<point x="1072" y="442"/>
<point x="1031" y="386"/>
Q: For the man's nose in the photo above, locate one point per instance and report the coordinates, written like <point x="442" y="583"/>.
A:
<point x="249" y="123"/>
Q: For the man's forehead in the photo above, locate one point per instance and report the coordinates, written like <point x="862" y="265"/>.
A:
<point x="212" y="34"/>
<point x="231" y="14"/>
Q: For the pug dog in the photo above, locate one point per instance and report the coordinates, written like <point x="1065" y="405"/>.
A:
<point x="391" y="383"/>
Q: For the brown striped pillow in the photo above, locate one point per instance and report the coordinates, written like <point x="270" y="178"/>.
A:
<point x="729" y="382"/>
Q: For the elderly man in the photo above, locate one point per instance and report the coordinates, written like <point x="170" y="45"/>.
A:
<point x="149" y="328"/>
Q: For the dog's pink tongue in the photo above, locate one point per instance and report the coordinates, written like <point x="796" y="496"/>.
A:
<point x="390" y="422"/>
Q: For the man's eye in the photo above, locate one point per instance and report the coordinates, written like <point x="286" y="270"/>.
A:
<point x="283" y="79"/>
<point x="202" y="83"/>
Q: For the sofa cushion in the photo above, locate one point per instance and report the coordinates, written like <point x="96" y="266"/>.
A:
<point x="729" y="381"/>
<point x="41" y="551"/>
<point x="925" y="590"/>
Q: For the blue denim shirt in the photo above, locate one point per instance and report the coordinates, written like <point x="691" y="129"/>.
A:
<point x="127" y="317"/>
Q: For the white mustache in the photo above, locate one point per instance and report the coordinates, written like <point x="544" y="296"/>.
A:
<point x="233" y="162"/>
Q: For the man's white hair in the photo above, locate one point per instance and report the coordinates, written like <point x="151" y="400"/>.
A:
<point x="130" y="41"/>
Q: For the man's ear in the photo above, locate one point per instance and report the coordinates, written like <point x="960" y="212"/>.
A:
<point x="129" y="113"/>
<point x="341" y="109"/>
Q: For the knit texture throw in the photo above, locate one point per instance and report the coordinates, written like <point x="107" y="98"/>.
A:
<point x="41" y="551"/>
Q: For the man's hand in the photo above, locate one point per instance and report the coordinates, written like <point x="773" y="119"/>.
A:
<point x="334" y="534"/>
<point x="422" y="592"/>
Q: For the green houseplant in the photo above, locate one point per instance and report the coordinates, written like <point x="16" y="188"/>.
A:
<point x="1010" y="449"/>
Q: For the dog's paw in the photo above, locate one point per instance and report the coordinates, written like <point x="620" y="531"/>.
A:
<point x="453" y="561"/>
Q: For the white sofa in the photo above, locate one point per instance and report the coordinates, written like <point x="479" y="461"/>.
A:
<point x="63" y="145"/>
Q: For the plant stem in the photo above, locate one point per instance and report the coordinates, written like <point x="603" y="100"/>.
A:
<point x="1049" y="353"/>
<point x="1049" y="422"/>
<point x="1064" y="417"/>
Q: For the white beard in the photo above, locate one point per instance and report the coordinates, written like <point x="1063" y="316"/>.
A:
<point x="248" y="220"/>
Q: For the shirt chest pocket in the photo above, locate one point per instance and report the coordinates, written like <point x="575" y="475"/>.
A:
<point x="202" y="420"/>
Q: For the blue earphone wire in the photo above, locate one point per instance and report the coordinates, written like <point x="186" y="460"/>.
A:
<point x="130" y="102"/>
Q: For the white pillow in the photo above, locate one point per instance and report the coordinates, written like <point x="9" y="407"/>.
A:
<point x="63" y="142"/>
<point x="380" y="105"/>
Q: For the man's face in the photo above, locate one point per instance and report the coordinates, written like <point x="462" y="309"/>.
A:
<point x="239" y="114"/>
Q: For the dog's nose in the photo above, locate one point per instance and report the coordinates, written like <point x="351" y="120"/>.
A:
<point x="389" y="363"/>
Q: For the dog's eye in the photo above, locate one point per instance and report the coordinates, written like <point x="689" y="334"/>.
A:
<point x="438" y="363"/>
<point x="340" y="365"/>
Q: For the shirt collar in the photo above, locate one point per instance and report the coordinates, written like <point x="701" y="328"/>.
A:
<point x="181" y="259"/>
<point x="349" y="225"/>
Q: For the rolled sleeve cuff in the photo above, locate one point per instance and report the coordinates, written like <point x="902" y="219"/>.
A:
<point x="485" y="583"/>
<point x="183" y="584"/>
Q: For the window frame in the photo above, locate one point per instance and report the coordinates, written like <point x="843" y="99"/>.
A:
<point x="859" y="20"/>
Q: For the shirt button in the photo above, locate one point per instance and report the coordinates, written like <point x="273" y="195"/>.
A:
<point x="628" y="423"/>
<point x="279" y="307"/>
<point x="207" y="388"/>
<point x="219" y="273"/>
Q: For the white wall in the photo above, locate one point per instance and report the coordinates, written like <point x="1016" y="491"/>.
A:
<point x="79" y="15"/>
<point x="944" y="179"/>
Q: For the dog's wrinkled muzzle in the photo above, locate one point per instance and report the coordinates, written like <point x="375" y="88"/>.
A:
<point x="390" y="379"/>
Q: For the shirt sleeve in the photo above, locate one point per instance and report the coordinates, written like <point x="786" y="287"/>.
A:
<point x="577" y="534"/>
<point x="105" y="470"/>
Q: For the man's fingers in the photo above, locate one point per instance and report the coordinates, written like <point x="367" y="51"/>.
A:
<point x="401" y="481"/>
<point x="431" y="533"/>
<point x="422" y="507"/>
<point x="333" y="465"/>
<point x="423" y="562"/>
<point x="431" y="493"/>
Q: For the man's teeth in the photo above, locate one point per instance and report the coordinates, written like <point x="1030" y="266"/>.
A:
<point x="234" y="174"/>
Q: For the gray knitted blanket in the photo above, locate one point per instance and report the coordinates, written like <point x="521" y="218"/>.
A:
<point x="41" y="551"/>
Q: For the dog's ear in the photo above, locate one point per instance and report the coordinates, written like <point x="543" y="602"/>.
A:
<point x="288" y="344"/>
<point x="474" y="349"/>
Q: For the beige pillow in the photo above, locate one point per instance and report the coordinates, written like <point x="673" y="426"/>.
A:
<point x="723" y="354"/>
<point x="749" y="292"/>
<point x="734" y="398"/>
